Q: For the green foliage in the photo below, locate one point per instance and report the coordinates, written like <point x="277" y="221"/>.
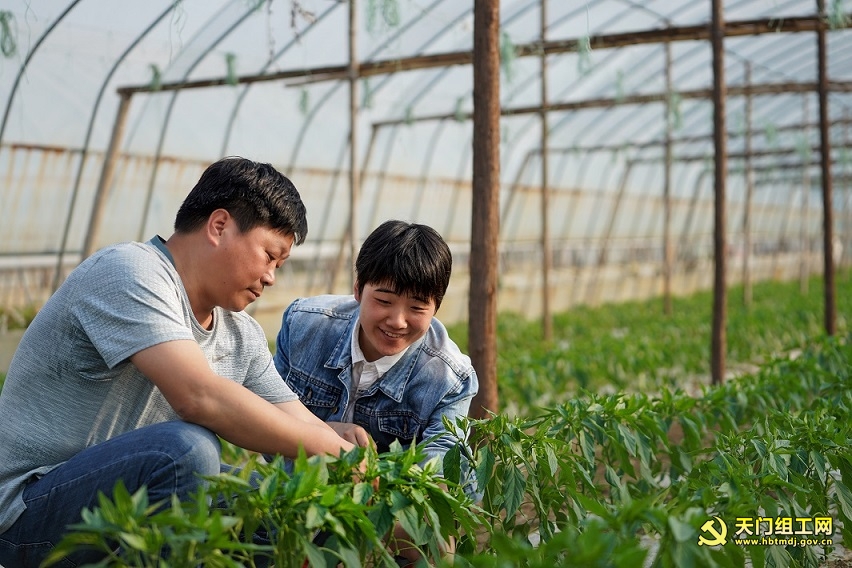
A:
<point x="356" y="511"/>
<point x="633" y="346"/>
<point x="586" y="477"/>
<point x="646" y="470"/>
<point x="17" y="318"/>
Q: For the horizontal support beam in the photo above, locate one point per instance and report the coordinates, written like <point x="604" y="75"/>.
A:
<point x="607" y="102"/>
<point x="553" y="47"/>
<point x="656" y="143"/>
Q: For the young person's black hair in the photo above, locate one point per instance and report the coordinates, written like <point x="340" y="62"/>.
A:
<point x="412" y="259"/>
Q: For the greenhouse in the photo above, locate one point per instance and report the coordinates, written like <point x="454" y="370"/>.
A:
<point x="574" y="154"/>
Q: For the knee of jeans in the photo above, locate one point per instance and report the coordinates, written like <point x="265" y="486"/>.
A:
<point x="200" y="448"/>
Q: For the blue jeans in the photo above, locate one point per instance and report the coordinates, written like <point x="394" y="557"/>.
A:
<point x="168" y="458"/>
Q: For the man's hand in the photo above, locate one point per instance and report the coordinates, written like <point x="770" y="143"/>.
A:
<point x="352" y="433"/>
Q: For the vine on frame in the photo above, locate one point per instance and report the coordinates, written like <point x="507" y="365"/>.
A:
<point x="231" y="65"/>
<point x="584" y="55"/>
<point x="388" y="10"/>
<point x="675" y="110"/>
<point x="459" y="114"/>
<point x="367" y="97"/>
<point x="8" y="42"/>
<point x="508" y="54"/>
<point x="304" y="102"/>
<point x="156" y="77"/>
<point x="837" y="18"/>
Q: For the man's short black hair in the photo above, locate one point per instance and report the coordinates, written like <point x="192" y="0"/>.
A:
<point x="254" y="193"/>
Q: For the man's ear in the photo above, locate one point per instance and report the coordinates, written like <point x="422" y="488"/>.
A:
<point x="356" y="289"/>
<point x="216" y="223"/>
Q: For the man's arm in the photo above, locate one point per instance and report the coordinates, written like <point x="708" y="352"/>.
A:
<point x="198" y="395"/>
<point x="350" y="432"/>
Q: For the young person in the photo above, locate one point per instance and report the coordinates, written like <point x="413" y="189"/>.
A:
<point x="144" y="355"/>
<point x="377" y="366"/>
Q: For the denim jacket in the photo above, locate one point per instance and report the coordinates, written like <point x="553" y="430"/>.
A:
<point x="432" y="380"/>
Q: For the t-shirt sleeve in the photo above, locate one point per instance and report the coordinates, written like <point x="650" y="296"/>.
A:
<point x="133" y="303"/>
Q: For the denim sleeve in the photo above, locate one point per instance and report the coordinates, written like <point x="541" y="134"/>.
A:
<point x="282" y="345"/>
<point x="454" y="405"/>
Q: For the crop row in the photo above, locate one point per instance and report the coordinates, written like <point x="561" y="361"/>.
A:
<point x="600" y="480"/>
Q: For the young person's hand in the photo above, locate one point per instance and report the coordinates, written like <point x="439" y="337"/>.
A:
<point x="352" y="433"/>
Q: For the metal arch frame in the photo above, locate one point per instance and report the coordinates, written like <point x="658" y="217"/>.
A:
<point x="389" y="147"/>
<point x="333" y="88"/>
<point x="164" y="129"/>
<point x="22" y="69"/>
<point x="160" y="143"/>
<point x="87" y="139"/>
<point x="244" y="93"/>
<point x="421" y="92"/>
<point x="297" y="146"/>
<point x="642" y="126"/>
<point x="328" y="94"/>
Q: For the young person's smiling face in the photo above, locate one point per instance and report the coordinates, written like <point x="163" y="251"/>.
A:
<point x="390" y="322"/>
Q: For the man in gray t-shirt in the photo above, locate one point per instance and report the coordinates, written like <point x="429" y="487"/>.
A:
<point x="144" y="355"/>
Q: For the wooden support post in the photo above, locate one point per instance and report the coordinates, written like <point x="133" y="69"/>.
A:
<point x="804" y="217"/>
<point x="482" y="321"/>
<point x="546" y="249"/>
<point x="720" y="245"/>
<point x="830" y="314"/>
<point x="749" y="183"/>
<point x="353" y="138"/>
<point x="667" y="188"/>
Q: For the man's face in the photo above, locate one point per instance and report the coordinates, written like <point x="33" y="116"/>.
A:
<point x="390" y="322"/>
<point x="248" y="264"/>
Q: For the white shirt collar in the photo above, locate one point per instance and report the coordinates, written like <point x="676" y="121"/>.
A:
<point x="382" y="364"/>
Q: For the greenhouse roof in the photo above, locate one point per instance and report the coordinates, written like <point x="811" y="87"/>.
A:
<point x="269" y="79"/>
<point x="607" y="80"/>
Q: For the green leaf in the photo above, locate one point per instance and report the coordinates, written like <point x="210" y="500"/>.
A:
<point x="362" y="492"/>
<point x="485" y="467"/>
<point x="819" y="462"/>
<point x="452" y="464"/>
<point x="382" y="518"/>
<point x="134" y="541"/>
<point x="315" y="556"/>
<point x="514" y="486"/>
<point x="844" y="498"/>
<point x="552" y="460"/>
<point x="413" y="524"/>
<point x="681" y="531"/>
<point x="778" y="464"/>
<point x="588" y="447"/>
<point x="314" y="517"/>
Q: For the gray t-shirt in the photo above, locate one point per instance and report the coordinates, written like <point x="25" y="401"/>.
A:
<point x="70" y="384"/>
